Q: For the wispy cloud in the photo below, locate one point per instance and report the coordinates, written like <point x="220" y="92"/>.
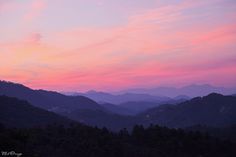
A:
<point x="34" y="10"/>
<point x="170" y="44"/>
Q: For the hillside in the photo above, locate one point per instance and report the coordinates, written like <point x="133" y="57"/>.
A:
<point x="19" y="113"/>
<point x="48" y="100"/>
<point x="213" y="110"/>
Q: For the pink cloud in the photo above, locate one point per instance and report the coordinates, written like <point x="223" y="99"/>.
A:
<point x="154" y="47"/>
<point x="35" y="9"/>
<point x="8" y="6"/>
<point x="33" y="38"/>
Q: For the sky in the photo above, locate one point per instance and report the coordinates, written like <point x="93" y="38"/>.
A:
<point x="108" y="45"/>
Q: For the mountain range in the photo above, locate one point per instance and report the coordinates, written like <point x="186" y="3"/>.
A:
<point x="189" y="91"/>
<point x="48" y="100"/>
<point x="213" y="110"/>
<point x="102" y="97"/>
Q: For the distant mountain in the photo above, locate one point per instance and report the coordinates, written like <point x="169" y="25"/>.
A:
<point x="102" y="97"/>
<point x="214" y="110"/>
<point x="189" y="91"/>
<point x="48" y="100"/>
<point x="139" y="106"/>
<point x="135" y="107"/>
<point x="102" y="119"/>
<point x="182" y="97"/>
<point x="19" y="113"/>
<point x="118" y="109"/>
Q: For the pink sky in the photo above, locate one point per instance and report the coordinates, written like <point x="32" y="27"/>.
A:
<point x="77" y="45"/>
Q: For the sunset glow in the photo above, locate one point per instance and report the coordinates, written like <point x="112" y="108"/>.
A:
<point x="79" y="45"/>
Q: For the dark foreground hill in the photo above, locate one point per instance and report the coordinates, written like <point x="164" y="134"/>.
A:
<point x="78" y="140"/>
<point x="214" y="110"/>
<point x="19" y="113"/>
<point x="101" y="119"/>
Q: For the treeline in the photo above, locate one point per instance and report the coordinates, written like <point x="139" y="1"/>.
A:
<point x="83" y="141"/>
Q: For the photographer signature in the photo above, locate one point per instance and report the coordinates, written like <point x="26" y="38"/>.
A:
<point x="11" y="153"/>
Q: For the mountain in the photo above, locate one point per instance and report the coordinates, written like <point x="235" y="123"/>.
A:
<point x="132" y="108"/>
<point x="29" y="138"/>
<point x="214" y="110"/>
<point x="101" y="119"/>
<point x="102" y="97"/>
<point x="19" y="113"/>
<point x="139" y="106"/>
<point x="189" y="91"/>
<point x="48" y="100"/>
<point x="118" y="109"/>
<point x="128" y="103"/>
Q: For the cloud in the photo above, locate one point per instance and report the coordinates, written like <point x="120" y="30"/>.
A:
<point x="8" y="6"/>
<point x="166" y="45"/>
<point x="33" y="38"/>
<point x="35" y="9"/>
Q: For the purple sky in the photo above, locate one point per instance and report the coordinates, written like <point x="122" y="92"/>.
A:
<point x="116" y="44"/>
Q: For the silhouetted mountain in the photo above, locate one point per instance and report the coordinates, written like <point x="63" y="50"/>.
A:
<point x="139" y="106"/>
<point x="102" y="97"/>
<point x="129" y="108"/>
<point x="48" y="100"/>
<point x="213" y="110"/>
<point x="128" y="103"/>
<point x="182" y="97"/>
<point x="80" y="140"/>
<point x="190" y="91"/>
<point x="19" y="113"/>
<point x="118" y="109"/>
<point x="102" y="119"/>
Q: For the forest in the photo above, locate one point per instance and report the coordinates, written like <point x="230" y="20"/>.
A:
<point x="79" y="140"/>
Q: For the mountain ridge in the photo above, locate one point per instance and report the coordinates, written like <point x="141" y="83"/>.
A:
<point x="193" y="90"/>
<point x="214" y="110"/>
<point x="48" y="100"/>
<point x="19" y="113"/>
